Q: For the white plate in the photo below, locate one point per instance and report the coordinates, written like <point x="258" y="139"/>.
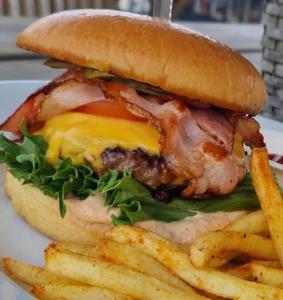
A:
<point x="274" y="143"/>
<point x="18" y="239"/>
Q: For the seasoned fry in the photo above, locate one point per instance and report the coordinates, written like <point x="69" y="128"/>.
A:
<point x="75" y="292"/>
<point x="261" y="273"/>
<point x="267" y="275"/>
<point x="32" y="275"/>
<point x="243" y="271"/>
<point x="221" y="258"/>
<point x="139" y="261"/>
<point x="101" y="273"/>
<point x="75" y="248"/>
<point x="253" y="222"/>
<point x="269" y="196"/>
<point x="268" y="263"/>
<point x="209" y="280"/>
<point x="213" y="243"/>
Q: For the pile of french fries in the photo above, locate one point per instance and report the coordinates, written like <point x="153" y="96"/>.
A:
<point x="243" y="261"/>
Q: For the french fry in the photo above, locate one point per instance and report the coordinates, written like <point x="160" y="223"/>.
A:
<point x="213" y="243"/>
<point x="101" y="273"/>
<point x="260" y="273"/>
<point x="129" y="256"/>
<point x="253" y="222"/>
<point x="30" y="274"/>
<point x="209" y="280"/>
<point x="185" y="247"/>
<point x="222" y="258"/>
<point x="75" y="292"/>
<point x="267" y="263"/>
<point x="139" y="261"/>
<point x="269" y="196"/>
<point x="75" y="248"/>
<point x="267" y="275"/>
<point x="243" y="271"/>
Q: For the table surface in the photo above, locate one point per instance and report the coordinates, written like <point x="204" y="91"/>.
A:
<point x="16" y="63"/>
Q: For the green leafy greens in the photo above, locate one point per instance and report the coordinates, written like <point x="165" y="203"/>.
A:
<point x="26" y="161"/>
<point x="137" y="204"/>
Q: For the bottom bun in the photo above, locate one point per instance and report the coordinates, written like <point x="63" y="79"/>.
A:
<point x="41" y="212"/>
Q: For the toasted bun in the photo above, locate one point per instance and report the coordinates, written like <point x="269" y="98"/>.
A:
<point x="42" y="213"/>
<point x="174" y="58"/>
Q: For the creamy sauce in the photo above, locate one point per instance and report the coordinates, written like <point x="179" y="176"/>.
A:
<point x="92" y="210"/>
<point x="188" y="230"/>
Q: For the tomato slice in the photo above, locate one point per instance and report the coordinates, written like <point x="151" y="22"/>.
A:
<point x="106" y="108"/>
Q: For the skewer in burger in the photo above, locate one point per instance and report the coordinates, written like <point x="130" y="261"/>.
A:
<point x="145" y="127"/>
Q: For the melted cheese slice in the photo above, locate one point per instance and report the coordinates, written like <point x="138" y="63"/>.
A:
<point x="84" y="137"/>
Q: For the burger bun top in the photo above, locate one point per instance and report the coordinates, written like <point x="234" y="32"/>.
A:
<point x="162" y="54"/>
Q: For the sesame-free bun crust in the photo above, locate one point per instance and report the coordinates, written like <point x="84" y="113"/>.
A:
<point x="137" y="47"/>
<point x="42" y="213"/>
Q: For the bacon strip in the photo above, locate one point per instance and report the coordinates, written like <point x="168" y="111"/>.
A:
<point x="26" y="112"/>
<point x="216" y="125"/>
<point x="188" y="150"/>
<point x="248" y="128"/>
<point x="68" y="96"/>
<point x="65" y="93"/>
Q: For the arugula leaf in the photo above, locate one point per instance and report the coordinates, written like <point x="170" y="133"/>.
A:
<point x="137" y="204"/>
<point x="26" y="161"/>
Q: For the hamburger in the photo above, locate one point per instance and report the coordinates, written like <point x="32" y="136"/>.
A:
<point x="146" y="126"/>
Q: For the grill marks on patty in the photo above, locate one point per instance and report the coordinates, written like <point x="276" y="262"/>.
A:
<point x="149" y="170"/>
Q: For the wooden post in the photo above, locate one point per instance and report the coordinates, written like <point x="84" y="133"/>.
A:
<point x="44" y="7"/>
<point x="15" y="8"/>
<point x="247" y="10"/>
<point x="162" y="9"/>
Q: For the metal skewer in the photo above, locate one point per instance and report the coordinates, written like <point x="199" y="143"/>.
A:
<point x="163" y="9"/>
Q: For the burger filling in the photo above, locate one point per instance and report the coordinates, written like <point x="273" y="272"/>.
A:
<point x="149" y="152"/>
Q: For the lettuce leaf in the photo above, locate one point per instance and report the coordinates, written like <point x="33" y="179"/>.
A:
<point x="137" y="204"/>
<point x="26" y="161"/>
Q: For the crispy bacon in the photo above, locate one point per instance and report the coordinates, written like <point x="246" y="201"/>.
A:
<point x="188" y="150"/>
<point x="196" y="143"/>
<point x="26" y="112"/>
<point x="216" y="125"/>
<point x="68" y="96"/>
<point x="248" y="128"/>
<point x="66" y="92"/>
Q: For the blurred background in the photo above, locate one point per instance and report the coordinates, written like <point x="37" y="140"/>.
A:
<point x="252" y="27"/>
<point x="237" y="23"/>
<point x="235" y="11"/>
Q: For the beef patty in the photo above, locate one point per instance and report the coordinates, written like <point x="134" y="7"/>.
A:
<point x="149" y="170"/>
